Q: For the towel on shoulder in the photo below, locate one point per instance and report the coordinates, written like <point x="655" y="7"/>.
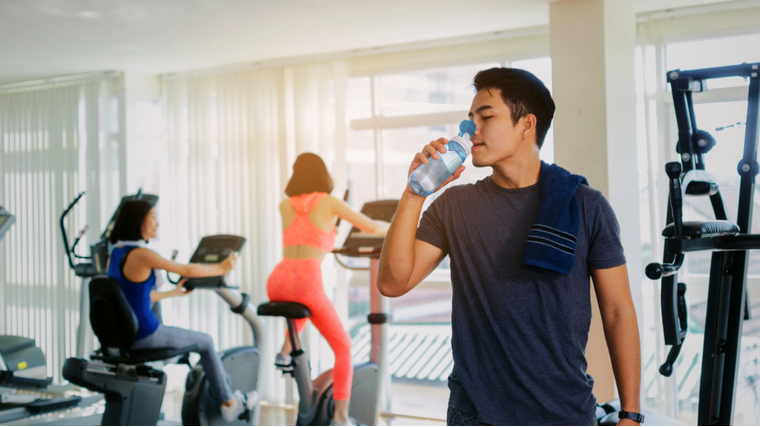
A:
<point x="552" y="237"/>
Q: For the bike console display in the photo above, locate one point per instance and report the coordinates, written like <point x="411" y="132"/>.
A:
<point x="213" y="250"/>
<point x="359" y="244"/>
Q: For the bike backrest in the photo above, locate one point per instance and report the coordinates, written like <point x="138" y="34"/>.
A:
<point x="111" y="317"/>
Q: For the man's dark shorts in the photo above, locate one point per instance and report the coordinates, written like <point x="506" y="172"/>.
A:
<point x="456" y="417"/>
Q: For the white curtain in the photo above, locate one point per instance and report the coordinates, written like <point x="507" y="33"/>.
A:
<point x="56" y="140"/>
<point x="232" y="139"/>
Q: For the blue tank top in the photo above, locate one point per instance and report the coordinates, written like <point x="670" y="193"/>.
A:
<point x="138" y="294"/>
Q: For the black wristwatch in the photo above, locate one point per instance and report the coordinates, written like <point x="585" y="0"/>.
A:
<point x="635" y="416"/>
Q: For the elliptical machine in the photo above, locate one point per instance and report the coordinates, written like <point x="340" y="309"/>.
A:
<point x="371" y="381"/>
<point x="97" y="261"/>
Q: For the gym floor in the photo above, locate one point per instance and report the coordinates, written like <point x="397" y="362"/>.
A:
<point x="406" y="398"/>
<point x="274" y="415"/>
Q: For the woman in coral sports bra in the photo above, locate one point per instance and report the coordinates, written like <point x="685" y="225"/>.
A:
<point x="308" y="219"/>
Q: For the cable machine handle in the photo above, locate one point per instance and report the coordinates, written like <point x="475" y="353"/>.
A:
<point x="667" y="368"/>
<point x="656" y="271"/>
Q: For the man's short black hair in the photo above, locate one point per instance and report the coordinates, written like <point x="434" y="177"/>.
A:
<point x="309" y="175"/>
<point x="523" y="93"/>
<point x="129" y="221"/>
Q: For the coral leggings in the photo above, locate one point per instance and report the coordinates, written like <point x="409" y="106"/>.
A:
<point x="301" y="281"/>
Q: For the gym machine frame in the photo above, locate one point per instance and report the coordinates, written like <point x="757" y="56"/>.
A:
<point x="727" y="302"/>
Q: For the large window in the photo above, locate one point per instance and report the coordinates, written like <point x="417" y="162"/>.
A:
<point x="390" y="118"/>
<point x="722" y="112"/>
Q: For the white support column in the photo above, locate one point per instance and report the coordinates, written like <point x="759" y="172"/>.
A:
<point x="592" y="49"/>
<point x="340" y="179"/>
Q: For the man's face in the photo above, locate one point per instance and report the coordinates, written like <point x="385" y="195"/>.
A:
<point x="497" y="138"/>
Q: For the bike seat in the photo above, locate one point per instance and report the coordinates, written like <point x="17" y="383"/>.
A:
<point x="290" y="310"/>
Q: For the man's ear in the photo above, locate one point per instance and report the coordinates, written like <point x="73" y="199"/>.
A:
<point x="529" y="123"/>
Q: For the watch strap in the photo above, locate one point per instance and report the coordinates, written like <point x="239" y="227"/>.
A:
<point x="635" y="416"/>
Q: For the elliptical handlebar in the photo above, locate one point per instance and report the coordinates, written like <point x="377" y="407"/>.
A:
<point x="70" y="254"/>
<point x="76" y="242"/>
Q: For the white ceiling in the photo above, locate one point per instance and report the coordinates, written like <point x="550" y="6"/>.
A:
<point x="49" y="38"/>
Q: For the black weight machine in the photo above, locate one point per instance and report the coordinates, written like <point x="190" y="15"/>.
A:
<point x="727" y="301"/>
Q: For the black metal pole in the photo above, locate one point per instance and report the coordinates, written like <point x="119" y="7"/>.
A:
<point x="741" y="70"/>
<point x="684" y="125"/>
<point x="737" y="298"/>
<point x="713" y="350"/>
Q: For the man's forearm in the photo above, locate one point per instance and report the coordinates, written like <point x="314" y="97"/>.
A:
<point x="397" y="257"/>
<point x="622" y="336"/>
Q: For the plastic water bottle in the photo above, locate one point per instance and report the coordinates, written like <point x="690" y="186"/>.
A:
<point x="429" y="176"/>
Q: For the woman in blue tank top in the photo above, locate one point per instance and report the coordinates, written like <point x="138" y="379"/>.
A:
<point x="134" y="267"/>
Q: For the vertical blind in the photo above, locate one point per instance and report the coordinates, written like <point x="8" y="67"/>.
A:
<point x="56" y="140"/>
<point x="232" y="140"/>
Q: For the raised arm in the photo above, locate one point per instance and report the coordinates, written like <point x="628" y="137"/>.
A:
<point x="622" y="333"/>
<point x="359" y="220"/>
<point x="404" y="260"/>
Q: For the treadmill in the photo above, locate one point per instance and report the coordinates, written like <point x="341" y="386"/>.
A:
<point x="27" y="395"/>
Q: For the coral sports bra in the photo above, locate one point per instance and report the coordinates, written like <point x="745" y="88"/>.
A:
<point x="302" y="231"/>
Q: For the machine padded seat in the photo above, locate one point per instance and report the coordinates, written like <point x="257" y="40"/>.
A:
<point x="696" y="229"/>
<point x="290" y="310"/>
<point x="134" y="357"/>
<point x="115" y="324"/>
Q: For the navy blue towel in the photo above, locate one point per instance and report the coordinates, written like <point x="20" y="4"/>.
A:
<point x="551" y="240"/>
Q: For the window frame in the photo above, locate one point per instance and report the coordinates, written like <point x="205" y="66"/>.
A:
<point x="377" y="123"/>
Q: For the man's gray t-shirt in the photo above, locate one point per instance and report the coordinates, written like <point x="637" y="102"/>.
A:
<point x="518" y="337"/>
